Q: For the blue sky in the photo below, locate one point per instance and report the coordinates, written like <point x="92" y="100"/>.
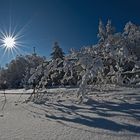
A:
<point x="73" y="23"/>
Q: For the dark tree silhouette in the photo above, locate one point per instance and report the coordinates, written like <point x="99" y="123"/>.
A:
<point x="57" y="52"/>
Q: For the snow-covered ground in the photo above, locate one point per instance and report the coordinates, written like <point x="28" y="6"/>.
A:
<point x="111" y="114"/>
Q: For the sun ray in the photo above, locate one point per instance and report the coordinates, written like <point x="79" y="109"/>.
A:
<point x="4" y="52"/>
<point x="10" y="40"/>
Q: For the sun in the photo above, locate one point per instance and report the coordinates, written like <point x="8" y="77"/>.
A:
<point x="9" y="42"/>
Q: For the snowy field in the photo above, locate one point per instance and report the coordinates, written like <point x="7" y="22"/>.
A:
<point x="111" y="114"/>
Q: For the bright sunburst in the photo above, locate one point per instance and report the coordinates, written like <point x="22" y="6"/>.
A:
<point x="9" y="42"/>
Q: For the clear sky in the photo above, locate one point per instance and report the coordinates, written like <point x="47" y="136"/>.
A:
<point x="73" y="23"/>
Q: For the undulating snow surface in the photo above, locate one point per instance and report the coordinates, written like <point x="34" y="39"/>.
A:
<point x="110" y="114"/>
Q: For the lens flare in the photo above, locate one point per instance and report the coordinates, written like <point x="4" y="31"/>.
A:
<point x="9" y="42"/>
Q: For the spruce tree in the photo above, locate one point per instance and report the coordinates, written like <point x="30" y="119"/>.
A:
<point x="57" y="52"/>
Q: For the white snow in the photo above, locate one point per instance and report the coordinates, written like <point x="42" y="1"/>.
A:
<point x="16" y="91"/>
<point x="113" y="114"/>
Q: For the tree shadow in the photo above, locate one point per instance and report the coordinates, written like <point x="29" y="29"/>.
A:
<point x="105" y="109"/>
<point x="126" y="109"/>
<point x="73" y="113"/>
<point x="97" y="123"/>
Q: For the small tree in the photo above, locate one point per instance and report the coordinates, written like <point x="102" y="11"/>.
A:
<point x="109" y="28"/>
<point x="101" y="31"/>
<point x="57" y="52"/>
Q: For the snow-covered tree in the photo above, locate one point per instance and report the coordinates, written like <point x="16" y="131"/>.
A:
<point x="109" y="28"/>
<point x="101" y="31"/>
<point x="132" y="37"/>
<point x="17" y="72"/>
